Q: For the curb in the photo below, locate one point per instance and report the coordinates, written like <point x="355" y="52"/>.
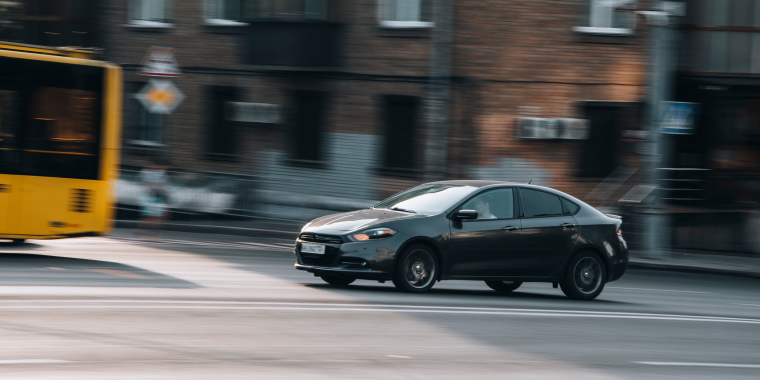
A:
<point x="210" y="229"/>
<point x="693" y="269"/>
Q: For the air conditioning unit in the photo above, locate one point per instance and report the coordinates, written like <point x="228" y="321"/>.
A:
<point x="572" y="129"/>
<point x="253" y="112"/>
<point x="545" y="129"/>
<point x="525" y="127"/>
<point x="536" y="128"/>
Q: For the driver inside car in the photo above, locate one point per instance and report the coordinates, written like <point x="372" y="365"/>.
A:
<point x="483" y="207"/>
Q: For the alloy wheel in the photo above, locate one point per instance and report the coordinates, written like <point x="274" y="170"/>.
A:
<point x="587" y="275"/>
<point x="419" y="269"/>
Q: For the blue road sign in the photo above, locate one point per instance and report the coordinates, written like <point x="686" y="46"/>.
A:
<point x="678" y="118"/>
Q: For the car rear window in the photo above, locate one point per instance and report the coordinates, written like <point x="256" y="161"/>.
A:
<point x="538" y="203"/>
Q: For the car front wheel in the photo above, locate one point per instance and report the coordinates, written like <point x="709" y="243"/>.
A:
<point x="585" y="276"/>
<point x="416" y="269"/>
<point x="504" y="286"/>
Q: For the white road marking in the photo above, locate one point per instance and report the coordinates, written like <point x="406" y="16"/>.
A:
<point x="399" y="356"/>
<point x="746" y="304"/>
<point x="33" y="361"/>
<point x="275" y="306"/>
<point x="678" y="364"/>
<point x="660" y="290"/>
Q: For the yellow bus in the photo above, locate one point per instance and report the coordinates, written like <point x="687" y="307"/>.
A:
<point x="60" y="133"/>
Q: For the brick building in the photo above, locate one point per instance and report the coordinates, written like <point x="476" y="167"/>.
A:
<point x="335" y="92"/>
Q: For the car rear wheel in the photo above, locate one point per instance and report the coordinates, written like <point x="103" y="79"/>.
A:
<point x="585" y="276"/>
<point x="338" y="280"/>
<point x="416" y="269"/>
<point x="504" y="286"/>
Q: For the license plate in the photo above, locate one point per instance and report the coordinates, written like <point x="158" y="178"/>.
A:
<point x="313" y="248"/>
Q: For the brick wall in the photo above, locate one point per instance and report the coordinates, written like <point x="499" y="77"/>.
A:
<point x="507" y="54"/>
<point x="519" y="54"/>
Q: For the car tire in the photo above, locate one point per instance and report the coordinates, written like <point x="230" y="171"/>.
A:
<point x="337" y="280"/>
<point x="504" y="286"/>
<point x="18" y="241"/>
<point x="416" y="269"/>
<point x="585" y="277"/>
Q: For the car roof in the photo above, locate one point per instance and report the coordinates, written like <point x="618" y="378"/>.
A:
<point x="487" y="183"/>
<point x="474" y="183"/>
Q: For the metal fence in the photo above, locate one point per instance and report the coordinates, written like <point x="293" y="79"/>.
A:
<point x="196" y="193"/>
<point x="212" y="194"/>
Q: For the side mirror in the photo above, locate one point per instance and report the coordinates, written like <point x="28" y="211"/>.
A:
<point x="466" y="214"/>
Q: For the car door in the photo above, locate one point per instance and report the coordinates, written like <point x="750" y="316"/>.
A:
<point x="548" y="235"/>
<point x="487" y="246"/>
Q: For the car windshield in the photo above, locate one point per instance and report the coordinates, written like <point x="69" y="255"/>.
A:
<point x="426" y="199"/>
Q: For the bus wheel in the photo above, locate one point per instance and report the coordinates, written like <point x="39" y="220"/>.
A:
<point x="19" y="241"/>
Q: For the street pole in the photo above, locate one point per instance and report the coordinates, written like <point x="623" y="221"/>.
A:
<point x="662" y="58"/>
<point x="439" y="92"/>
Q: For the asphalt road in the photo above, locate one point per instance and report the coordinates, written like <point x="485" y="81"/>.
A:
<point x="98" y="308"/>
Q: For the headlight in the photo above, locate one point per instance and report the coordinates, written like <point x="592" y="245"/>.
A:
<point x="375" y="233"/>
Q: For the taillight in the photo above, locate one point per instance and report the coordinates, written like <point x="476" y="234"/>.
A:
<point x="620" y="232"/>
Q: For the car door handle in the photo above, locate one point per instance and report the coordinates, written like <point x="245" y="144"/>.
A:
<point x="567" y="225"/>
<point x="510" y="228"/>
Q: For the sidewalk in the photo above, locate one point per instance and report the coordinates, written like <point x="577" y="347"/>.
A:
<point x="706" y="263"/>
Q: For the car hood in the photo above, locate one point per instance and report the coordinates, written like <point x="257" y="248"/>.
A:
<point x="354" y="220"/>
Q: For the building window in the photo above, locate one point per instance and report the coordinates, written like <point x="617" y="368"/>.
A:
<point x="146" y="129"/>
<point x="405" y="13"/>
<point x="221" y="129"/>
<point x="600" y="154"/>
<point x="150" y="13"/>
<point x="608" y="17"/>
<point x="309" y="118"/>
<point x="315" y="9"/>
<point x="401" y="117"/>
<point x="41" y="8"/>
<point x="289" y="10"/>
<point x="224" y="12"/>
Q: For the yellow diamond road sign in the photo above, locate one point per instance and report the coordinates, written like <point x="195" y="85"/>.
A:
<point x="160" y="96"/>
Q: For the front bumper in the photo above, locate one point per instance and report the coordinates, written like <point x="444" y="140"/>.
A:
<point x="370" y="260"/>
<point x="342" y="272"/>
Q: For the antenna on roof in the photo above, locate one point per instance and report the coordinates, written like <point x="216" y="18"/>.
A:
<point x="531" y="180"/>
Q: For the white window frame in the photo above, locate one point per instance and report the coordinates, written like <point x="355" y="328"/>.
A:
<point x="140" y="23"/>
<point x="210" y="17"/>
<point x="597" y="11"/>
<point x="384" y="9"/>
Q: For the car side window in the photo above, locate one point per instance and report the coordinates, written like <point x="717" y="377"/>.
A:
<point x="494" y="204"/>
<point x="570" y="207"/>
<point x="538" y="203"/>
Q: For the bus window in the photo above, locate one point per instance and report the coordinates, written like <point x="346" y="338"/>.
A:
<point x="62" y="138"/>
<point x="51" y="114"/>
<point x="9" y="156"/>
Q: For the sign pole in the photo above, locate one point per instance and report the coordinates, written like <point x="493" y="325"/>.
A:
<point x="661" y="61"/>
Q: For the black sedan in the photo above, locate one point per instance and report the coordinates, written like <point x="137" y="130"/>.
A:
<point x="498" y="232"/>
